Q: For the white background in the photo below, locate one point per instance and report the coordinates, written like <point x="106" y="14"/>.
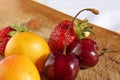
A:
<point x="109" y="10"/>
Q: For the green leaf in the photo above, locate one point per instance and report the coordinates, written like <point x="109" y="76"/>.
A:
<point x="81" y="27"/>
<point x="83" y="23"/>
<point x="82" y="35"/>
<point x="88" y="29"/>
<point x="77" y="28"/>
<point x="12" y="33"/>
<point x="18" y="29"/>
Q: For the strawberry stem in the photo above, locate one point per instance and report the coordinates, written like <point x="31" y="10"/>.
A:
<point x="94" y="11"/>
<point x="18" y="29"/>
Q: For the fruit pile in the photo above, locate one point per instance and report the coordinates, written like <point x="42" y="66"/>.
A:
<point x="26" y="55"/>
<point x="71" y="49"/>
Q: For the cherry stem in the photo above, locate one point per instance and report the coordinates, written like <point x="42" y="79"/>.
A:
<point x="105" y="50"/>
<point x="94" y="11"/>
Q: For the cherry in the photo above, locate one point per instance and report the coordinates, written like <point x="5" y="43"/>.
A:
<point x="86" y="51"/>
<point x="61" y="66"/>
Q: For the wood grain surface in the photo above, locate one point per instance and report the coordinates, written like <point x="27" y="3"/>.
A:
<point x="21" y="11"/>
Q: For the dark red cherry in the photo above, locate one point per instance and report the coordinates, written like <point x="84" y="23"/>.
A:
<point x="86" y="52"/>
<point x="61" y="67"/>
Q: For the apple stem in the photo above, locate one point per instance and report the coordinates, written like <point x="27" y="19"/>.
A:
<point x="94" y="11"/>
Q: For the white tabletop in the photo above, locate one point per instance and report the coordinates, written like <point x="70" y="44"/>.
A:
<point x="108" y="18"/>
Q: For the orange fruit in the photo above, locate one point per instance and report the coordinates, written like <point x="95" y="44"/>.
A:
<point x="30" y="45"/>
<point x="16" y="67"/>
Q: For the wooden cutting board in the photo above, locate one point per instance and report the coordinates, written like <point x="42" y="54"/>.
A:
<point x="21" y="11"/>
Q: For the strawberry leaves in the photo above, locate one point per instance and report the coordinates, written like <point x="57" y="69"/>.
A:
<point x="18" y="29"/>
<point x="82" y="28"/>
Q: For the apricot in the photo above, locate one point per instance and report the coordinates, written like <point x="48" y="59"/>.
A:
<point x="30" y="45"/>
<point x="17" y="67"/>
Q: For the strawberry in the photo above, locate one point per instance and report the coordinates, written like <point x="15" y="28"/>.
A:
<point x="4" y="37"/>
<point x="6" y="33"/>
<point x="67" y="31"/>
<point x="58" y="36"/>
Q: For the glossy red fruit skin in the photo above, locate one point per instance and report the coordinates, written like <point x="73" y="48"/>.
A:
<point x="61" y="67"/>
<point x="86" y="52"/>
<point x="57" y="37"/>
<point x="4" y="38"/>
